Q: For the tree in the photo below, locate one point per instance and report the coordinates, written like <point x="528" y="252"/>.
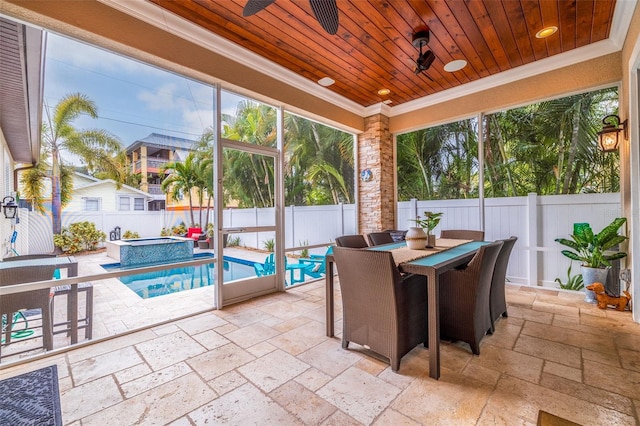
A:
<point x="97" y="149"/>
<point x="182" y="178"/>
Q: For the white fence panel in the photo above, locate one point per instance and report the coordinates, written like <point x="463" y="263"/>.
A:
<point x="536" y="220"/>
<point x="311" y="225"/>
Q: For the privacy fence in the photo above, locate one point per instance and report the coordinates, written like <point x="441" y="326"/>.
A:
<point x="536" y="220"/>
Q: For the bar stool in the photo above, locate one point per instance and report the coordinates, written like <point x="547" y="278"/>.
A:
<point x="86" y="288"/>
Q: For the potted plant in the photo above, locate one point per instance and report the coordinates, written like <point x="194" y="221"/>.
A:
<point x="428" y="224"/>
<point x="592" y="250"/>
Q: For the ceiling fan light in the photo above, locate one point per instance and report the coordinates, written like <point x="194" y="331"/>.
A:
<point x="456" y="65"/>
<point x="326" y="81"/>
<point x="546" y="32"/>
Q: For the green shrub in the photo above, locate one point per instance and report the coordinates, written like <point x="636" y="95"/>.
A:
<point x="165" y="232"/>
<point x="574" y="282"/>
<point x="304" y="252"/>
<point x="79" y="236"/>
<point x="130" y="234"/>
<point x="233" y="241"/>
<point x="179" y="230"/>
<point x="269" y="245"/>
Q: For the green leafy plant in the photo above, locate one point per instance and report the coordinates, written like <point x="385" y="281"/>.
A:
<point x="165" y="232"/>
<point x="130" y="235"/>
<point x="430" y="221"/>
<point x="233" y="241"/>
<point x="210" y="230"/>
<point x="268" y="245"/>
<point x="79" y="236"/>
<point x="179" y="230"/>
<point x="574" y="282"/>
<point x="304" y="252"/>
<point x="590" y="248"/>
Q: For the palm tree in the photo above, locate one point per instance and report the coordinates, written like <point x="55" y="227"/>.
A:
<point x="98" y="149"/>
<point x="183" y="176"/>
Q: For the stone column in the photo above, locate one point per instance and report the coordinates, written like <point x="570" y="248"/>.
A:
<point x="376" y="196"/>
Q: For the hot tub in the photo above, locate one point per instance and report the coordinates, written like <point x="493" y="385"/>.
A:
<point x="142" y="251"/>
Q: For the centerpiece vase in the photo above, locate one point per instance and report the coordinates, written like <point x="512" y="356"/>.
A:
<point x="416" y="238"/>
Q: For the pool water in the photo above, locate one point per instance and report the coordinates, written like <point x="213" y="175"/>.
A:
<point x="160" y="283"/>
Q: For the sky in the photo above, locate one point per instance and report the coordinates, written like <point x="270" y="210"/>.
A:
<point x="133" y="99"/>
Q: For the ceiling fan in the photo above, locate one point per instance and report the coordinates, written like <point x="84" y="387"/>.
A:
<point x="424" y="61"/>
<point x="326" y="12"/>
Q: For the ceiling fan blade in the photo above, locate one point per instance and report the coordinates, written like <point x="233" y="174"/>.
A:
<point x="326" y="12"/>
<point x="255" y="6"/>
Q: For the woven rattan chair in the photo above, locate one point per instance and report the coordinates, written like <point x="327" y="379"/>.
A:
<point x="379" y="238"/>
<point x="464" y="298"/>
<point x="498" y="303"/>
<point x="35" y="299"/>
<point x="352" y="241"/>
<point x="381" y="310"/>
<point x="462" y="234"/>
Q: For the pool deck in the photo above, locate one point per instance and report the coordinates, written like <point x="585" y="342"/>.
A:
<point x="117" y="309"/>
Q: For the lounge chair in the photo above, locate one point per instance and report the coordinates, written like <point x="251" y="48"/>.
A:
<point x="269" y="268"/>
<point x="317" y="263"/>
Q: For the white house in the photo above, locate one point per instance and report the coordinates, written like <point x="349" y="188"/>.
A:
<point x="92" y="194"/>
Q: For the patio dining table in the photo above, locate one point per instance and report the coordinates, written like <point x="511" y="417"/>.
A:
<point x="431" y="266"/>
<point x="64" y="262"/>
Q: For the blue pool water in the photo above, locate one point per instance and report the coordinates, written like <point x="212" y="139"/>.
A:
<point x="153" y="284"/>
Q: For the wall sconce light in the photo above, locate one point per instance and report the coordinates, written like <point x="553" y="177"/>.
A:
<point x="10" y="208"/>
<point x="609" y="137"/>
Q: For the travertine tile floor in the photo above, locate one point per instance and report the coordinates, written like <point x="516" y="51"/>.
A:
<point x="268" y="362"/>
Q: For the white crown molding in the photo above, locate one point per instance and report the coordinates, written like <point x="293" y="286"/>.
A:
<point x="155" y="15"/>
<point x="574" y="56"/>
<point x="621" y="21"/>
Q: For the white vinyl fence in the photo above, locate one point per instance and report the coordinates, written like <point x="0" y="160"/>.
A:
<point x="536" y="220"/>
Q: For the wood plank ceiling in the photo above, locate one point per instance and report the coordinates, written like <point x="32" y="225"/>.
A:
<point x="373" y="49"/>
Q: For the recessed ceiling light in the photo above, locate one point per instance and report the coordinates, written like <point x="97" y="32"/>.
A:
<point x="326" y="81"/>
<point x="456" y="65"/>
<point x="384" y="92"/>
<point x="546" y="32"/>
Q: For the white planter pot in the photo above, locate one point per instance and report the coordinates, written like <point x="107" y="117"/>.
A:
<point x="416" y="238"/>
<point x="590" y="276"/>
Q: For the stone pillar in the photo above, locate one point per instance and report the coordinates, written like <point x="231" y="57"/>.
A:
<point x="376" y="196"/>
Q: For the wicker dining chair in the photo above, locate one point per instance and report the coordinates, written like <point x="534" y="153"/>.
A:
<point x="34" y="299"/>
<point x="352" y="241"/>
<point x="462" y="234"/>
<point x="379" y="238"/>
<point x="464" y="298"/>
<point x="498" y="302"/>
<point x="381" y="310"/>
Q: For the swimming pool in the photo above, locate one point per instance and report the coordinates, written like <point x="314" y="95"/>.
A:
<point x="160" y="283"/>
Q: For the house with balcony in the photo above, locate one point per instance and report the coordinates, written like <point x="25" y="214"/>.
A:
<point x="148" y="156"/>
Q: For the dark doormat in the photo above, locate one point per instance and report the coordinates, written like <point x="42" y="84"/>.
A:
<point x="31" y="399"/>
